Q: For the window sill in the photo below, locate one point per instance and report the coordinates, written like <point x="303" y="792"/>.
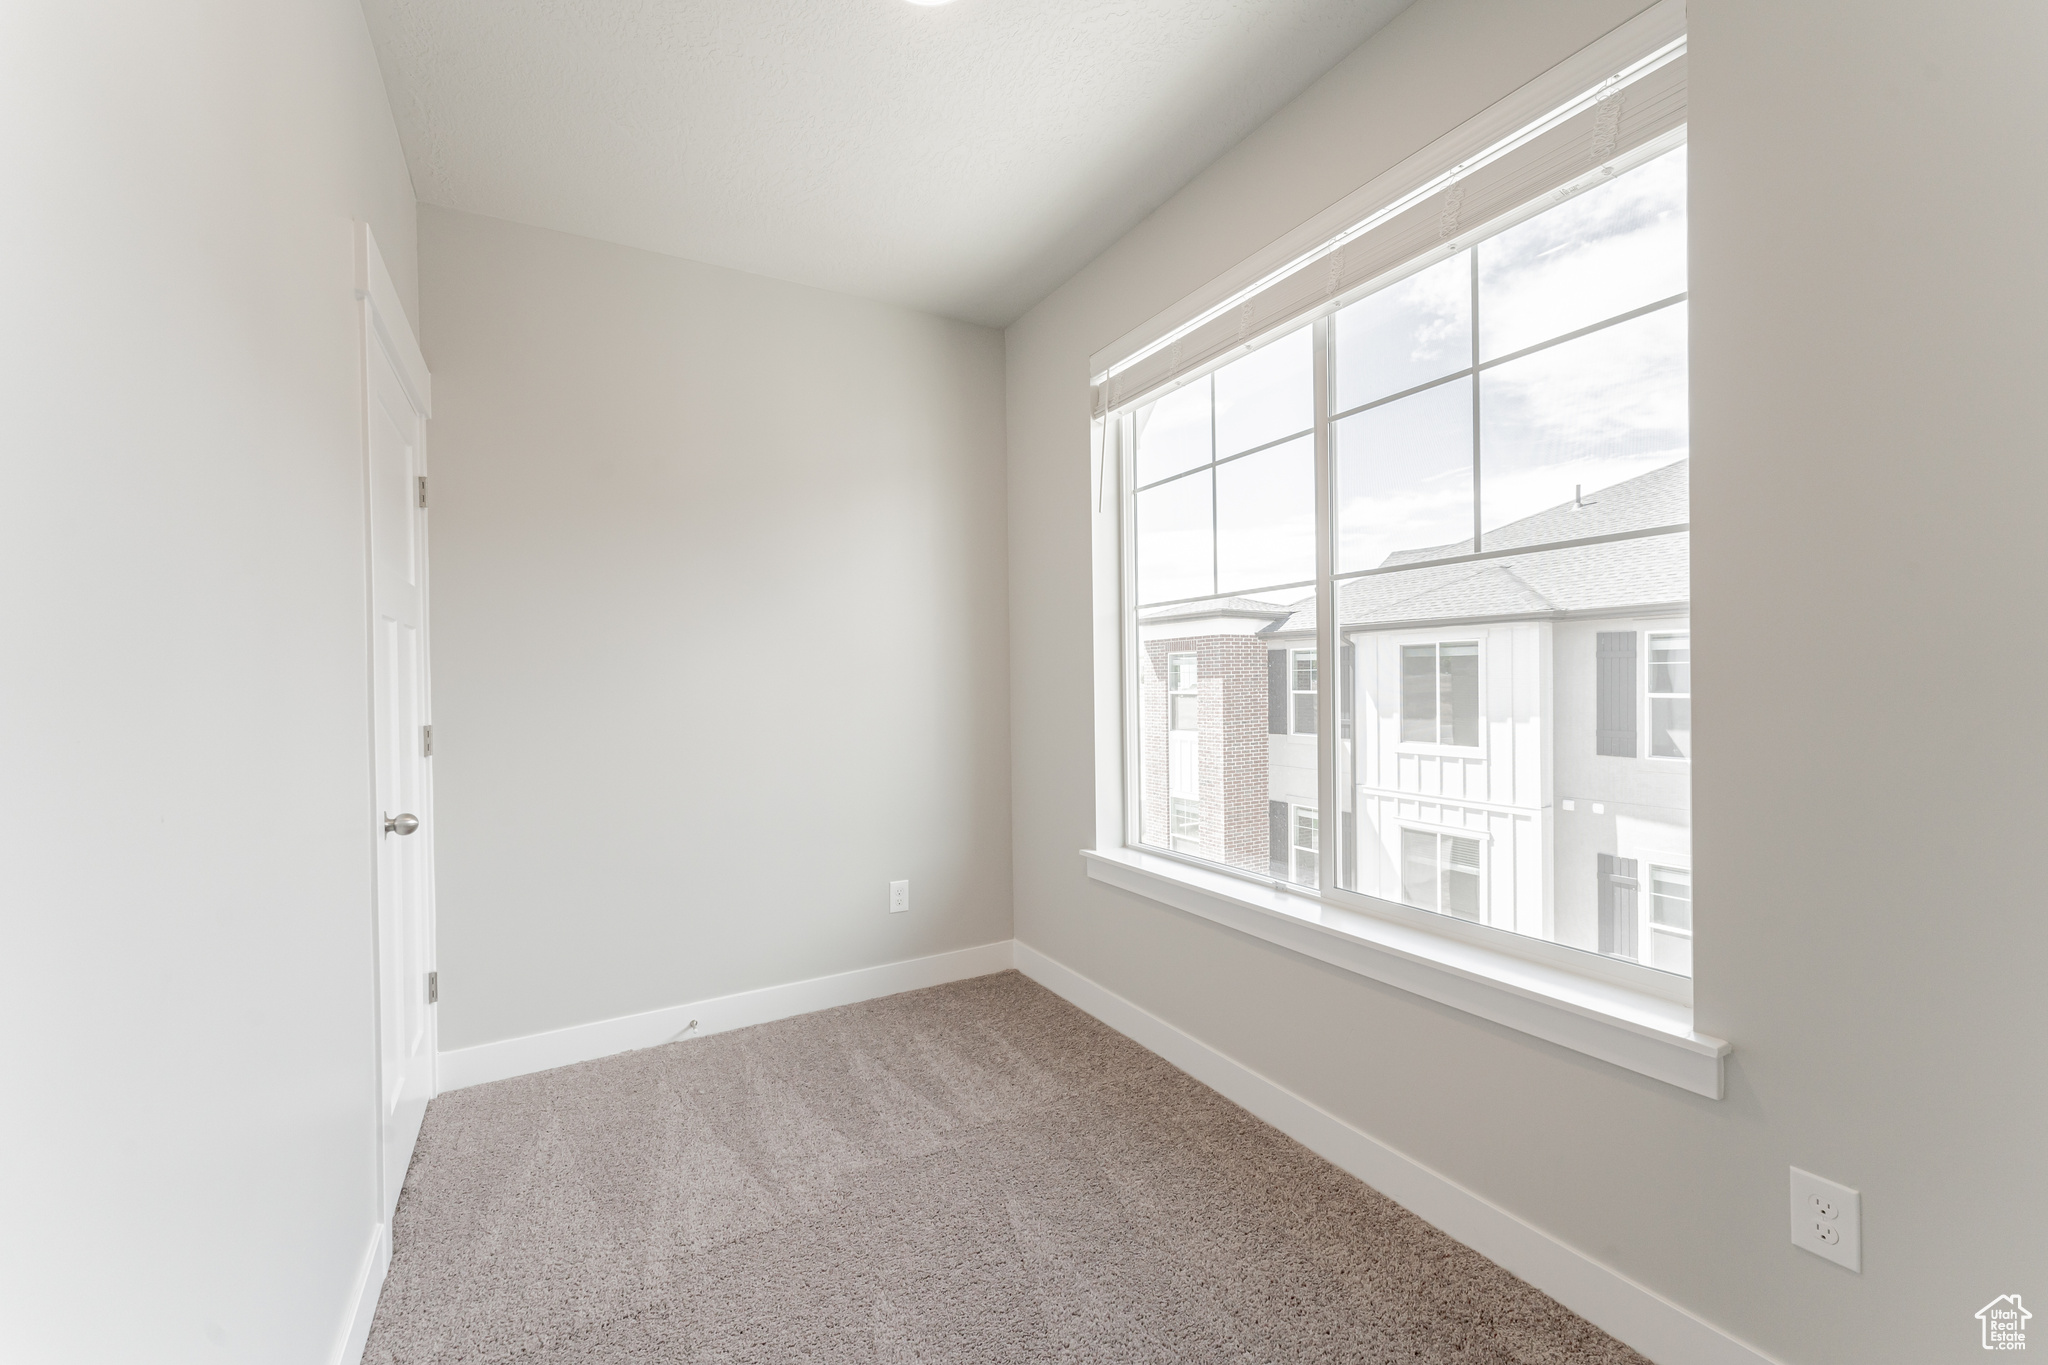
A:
<point x="1629" y="1028"/>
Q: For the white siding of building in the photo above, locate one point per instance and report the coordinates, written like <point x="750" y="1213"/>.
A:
<point x="1495" y="791"/>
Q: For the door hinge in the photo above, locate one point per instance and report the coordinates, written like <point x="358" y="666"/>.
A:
<point x="433" y="988"/>
<point x="423" y="490"/>
<point x="426" y="741"/>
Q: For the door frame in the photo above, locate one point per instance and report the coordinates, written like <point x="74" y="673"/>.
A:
<point x="385" y="326"/>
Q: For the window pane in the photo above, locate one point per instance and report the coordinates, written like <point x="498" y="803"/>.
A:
<point x="1176" y="534"/>
<point x="1670" y="727"/>
<point x="1671" y="952"/>
<point x="1267" y="395"/>
<point x="1458" y="681"/>
<point x="1418" y="694"/>
<point x="1305" y="849"/>
<point x="1671" y="897"/>
<point x="1406" y="334"/>
<point x="1266" y="517"/>
<point x="1563" y="426"/>
<point x="1404" y="479"/>
<point x="1563" y="807"/>
<point x="1461" y="893"/>
<point x="1173" y="433"/>
<point x="1671" y="663"/>
<point x="1304" y="670"/>
<point x="1418" y="868"/>
<point x="1304" y="691"/>
<point x="1610" y="249"/>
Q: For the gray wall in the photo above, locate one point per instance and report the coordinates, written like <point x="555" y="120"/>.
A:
<point x="185" y="806"/>
<point x="1868" y="345"/>
<point x="719" y="640"/>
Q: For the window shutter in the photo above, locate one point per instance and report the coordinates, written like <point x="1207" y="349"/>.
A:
<point x="1615" y="706"/>
<point x="1276" y="692"/>
<point x="1617" y="905"/>
<point x="1279" y="849"/>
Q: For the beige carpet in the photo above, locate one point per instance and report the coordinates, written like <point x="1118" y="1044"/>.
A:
<point x="973" y="1173"/>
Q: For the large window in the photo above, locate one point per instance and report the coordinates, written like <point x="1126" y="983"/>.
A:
<point x="1495" y="553"/>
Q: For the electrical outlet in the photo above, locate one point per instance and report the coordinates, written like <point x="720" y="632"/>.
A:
<point x="899" y="897"/>
<point x="1827" y="1219"/>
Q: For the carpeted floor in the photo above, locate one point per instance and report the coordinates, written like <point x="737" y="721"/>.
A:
<point x="971" y="1174"/>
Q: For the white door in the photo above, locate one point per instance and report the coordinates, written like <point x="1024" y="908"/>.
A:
<point x="395" y="423"/>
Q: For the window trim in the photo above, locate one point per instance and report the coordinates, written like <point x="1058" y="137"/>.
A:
<point x="1576" y="1010"/>
<point x="1650" y="699"/>
<point x="1441" y="833"/>
<point x="1295" y="694"/>
<point x="1403" y="639"/>
<point x="1295" y="810"/>
<point x="1623" y="1012"/>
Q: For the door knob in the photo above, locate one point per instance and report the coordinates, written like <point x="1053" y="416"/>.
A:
<point x="401" y="824"/>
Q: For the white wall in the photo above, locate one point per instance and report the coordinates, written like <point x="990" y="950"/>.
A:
<point x="185" y="822"/>
<point x="1867" y="313"/>
<point x="719" y="634"/>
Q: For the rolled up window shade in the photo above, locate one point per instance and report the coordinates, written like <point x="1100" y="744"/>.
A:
<point x="1434" y="207"/>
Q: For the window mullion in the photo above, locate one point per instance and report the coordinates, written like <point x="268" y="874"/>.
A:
<point x="1478" y="536"/>
<point x="1120" y="444"/>
<point x="1329" y="676"/>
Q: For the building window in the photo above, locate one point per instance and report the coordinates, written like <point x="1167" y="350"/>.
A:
<point x="1305" y="871"/>
<point x="1187" y="825"/>
<point x="1304" y="689"/>
<point x="1440" y="693"/>
<point x="1671" y="696"/>
<point x="1504" y="435"/>
<point x="1671" y="919"/>
<point x="1440" y="872"/>
<point x="1182" y="698"/>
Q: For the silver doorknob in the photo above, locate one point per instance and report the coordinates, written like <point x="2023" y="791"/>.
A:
<point x="401" y="824"/>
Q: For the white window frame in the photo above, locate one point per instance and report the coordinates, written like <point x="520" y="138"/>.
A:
<point x="1294" y="846"/>
<point x="1650" y="925"/>
<point x="1630" y="1015"/>
<point x="1650" y="698"/>
<point x="1295" y="694"/>
<point x="1441" y="833"/>
<point x="1172" y="661"/>
<point x="1402" y="641"/>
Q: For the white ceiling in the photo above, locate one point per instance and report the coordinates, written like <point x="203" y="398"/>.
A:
<point x="963" y="159"/>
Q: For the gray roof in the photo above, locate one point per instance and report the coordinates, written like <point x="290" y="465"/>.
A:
<point x="1221" y="606"/>
<point x="1610" y="577"/>
<point x="1657" y="498"/>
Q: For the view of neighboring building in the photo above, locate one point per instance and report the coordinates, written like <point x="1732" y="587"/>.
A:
<point x="1514" y="733"/>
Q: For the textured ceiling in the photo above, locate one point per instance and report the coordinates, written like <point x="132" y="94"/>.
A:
<point x="963" y="159"/>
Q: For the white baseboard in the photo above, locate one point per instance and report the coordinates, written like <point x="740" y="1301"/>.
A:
<point x="355" y="1333"/>
<point x="1603" y="1296"/>
<point x="584" y="1042"/>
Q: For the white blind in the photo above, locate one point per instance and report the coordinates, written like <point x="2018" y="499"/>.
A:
<point x="1469" y="183"/>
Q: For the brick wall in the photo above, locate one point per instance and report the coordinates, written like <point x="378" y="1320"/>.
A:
<point x="1230" y="673"/>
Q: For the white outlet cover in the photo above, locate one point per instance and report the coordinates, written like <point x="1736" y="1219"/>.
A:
<point x="1827" y="1219"/>
<point x="899" y="897"/>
